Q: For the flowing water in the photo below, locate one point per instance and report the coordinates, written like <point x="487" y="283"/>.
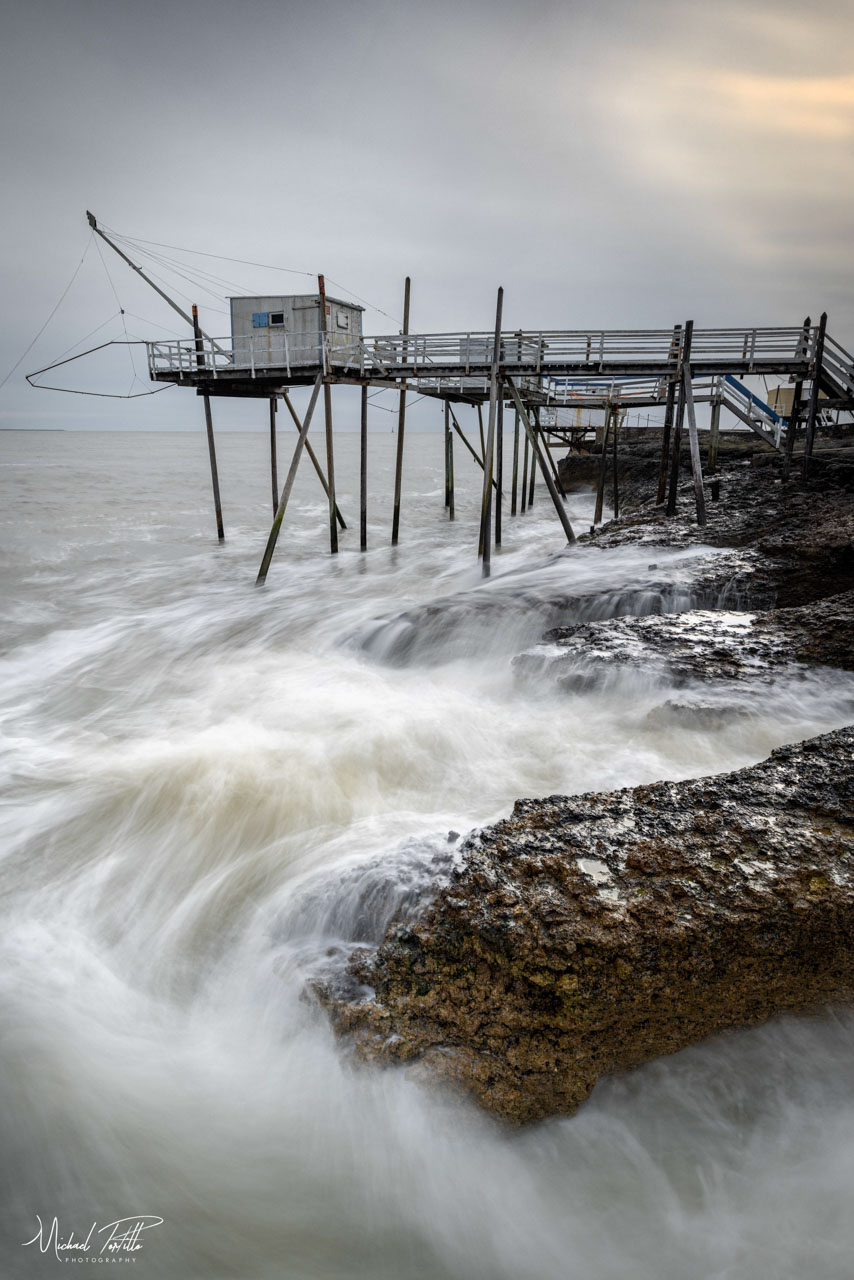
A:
<point x="210" y="792"/>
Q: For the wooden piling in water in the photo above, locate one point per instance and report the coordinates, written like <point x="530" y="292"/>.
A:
<point x="675" y="461"/>
<point x="499" y="463"/>
<point x="525" y="477"/>
<point x="603" y="467"/>
<point x="466" y="441"/>
<point x="531" y="432"/>
<point x="447" y="438"/>
<point x="200" y="362"/>
<point x="616" y="479"/>
<point x="401" y="426"/>
<point x="451" y="512"/>
<point x="327" y="413"/>
<point x="693" y="440"/>
<point x="515" y="463"/>
<point x="313" y="458"/>
<point x="273" y="473"/>
<point x="288" y="485"/>
<point x="668" y="419"/>
<point x="714" y="437"/>
<point x="489" y="456"/>
<point x="363" y="472"/>
<point x="534" y="460"/>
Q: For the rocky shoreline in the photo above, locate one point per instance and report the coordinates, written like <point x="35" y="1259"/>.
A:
<point x="584" y="935"/>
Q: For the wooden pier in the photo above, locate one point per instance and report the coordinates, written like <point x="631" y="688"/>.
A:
<point x="535" y="374"/>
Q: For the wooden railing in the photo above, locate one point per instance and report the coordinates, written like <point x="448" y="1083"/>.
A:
<point x="468" y="355"/>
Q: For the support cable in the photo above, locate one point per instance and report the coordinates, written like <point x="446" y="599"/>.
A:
<point x="52" y="314"/>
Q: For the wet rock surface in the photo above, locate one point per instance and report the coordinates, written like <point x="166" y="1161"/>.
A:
<point x="801" y="535"/>
<point x="585" y="935"/>
<point x="699" y="645"/>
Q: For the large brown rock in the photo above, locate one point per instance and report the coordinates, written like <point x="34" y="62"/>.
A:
<point x="584" y="935"/>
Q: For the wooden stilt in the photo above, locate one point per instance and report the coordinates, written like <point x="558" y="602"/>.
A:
<point x="401" y="425"/>
<point x="447" y="457"/>
<point x="273" y="473"/>
<point x="675" y="461"/>
<point x="668" y="426"/>
<point x="535" y="449"/>
<point x="616" y="465"/>
<point x="603" y="468"/>
<point x="794" y="416"/>
<point x="200" y="360"/>
<point x="489" y="455"/>
<point x="288" y="485"/>
<point x="525" y="476"/>
<point x="534" y="460"/>
<point x="313" y="458"/>
<point x="327" y="413"/>
<point x="515" y="463"/>
<point x="693" y="441"/>
<point x="363" y="473"/>
<point x="466" y="441"/>
<point x="451" y="475"/>
<point x="480" y="426"/>
<point x="499" y="463"/>
<point x="812" y="412"/>
<point x="714" y="437"/>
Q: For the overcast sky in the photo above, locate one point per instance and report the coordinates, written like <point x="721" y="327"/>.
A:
<point x="611" y="164"/>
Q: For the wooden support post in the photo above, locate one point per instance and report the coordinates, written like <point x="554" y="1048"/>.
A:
<point x="312" y="455"/>
<point x="792" y="424"/>
<point x="525" y="476"/>
<point x="289" y="484"/>
<point x="616" y="465"/>
<point x="489" y="455"/>
<point x="535" y="449"/>
<point x="401" y="425"/>
<point x="200" y="362"/>
<point x="451" y="512"/>
<point x="515" y="463"/>
<point x="714" y="437"/>
<point x="273" y="473"/>
<point x="466" y="441"/>
<point x="499" y="462"/>
<point x="603" y="467"/>
<point x="812" y="413"/>
<point x="693" y="440"/>
<point x="447" y="456"/>
<point x="363" y="473"/>
<point x="480" y="426"/>
<point x="534" y="460"/>
<point x="665" y="437"/>
<point x="684" y="358"/>
<point x="327" y="413"/>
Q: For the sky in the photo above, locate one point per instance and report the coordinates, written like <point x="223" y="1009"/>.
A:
<point x="617" y="164"/>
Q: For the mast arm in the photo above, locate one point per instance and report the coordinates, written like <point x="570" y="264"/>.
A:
<point x="165" y="296"/>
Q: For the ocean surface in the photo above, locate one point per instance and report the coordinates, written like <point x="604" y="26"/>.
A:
<point x="210" y="791"/>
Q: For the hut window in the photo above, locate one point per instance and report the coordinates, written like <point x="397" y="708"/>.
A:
<point x="277" y="317"/>
<point x="342" y="320"/>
